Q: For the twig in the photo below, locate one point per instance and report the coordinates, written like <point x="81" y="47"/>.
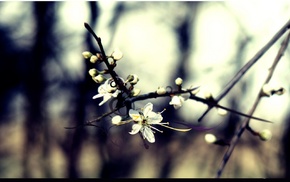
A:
<point x="210" y="103"/>
<point x="114" y="75"/>
<point x="247" y="66"/>
<point x="89" y="123"/>
<point x="245" y="124"/>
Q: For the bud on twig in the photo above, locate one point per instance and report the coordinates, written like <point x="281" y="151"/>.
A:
<point x="93" y="72"/>
<point x="93" y="59"/>
<point x="132" y="79"/>
<point x="87" y="54"/>
<point x="269" y="90"/>
<point x="265" y="135"/>
<point x="99" y="78"/>
<point x="210" y="138"/>
<point x="161" y="90"/>
<point x="116" y="120"/>
<point x="117" y="54"/>
<point x="178" y="81"/>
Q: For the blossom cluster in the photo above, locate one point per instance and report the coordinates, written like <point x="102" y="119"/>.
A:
<point x="145" y="120"/>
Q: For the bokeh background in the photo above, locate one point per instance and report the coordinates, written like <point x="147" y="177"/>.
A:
<point x="45" y="87"/>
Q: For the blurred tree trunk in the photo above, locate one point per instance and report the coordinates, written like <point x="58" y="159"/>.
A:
<point x="285" y="142"/>
<point x="184" y="38"/>
<point x="83" y="88"/>
<point x="36" y="144"/>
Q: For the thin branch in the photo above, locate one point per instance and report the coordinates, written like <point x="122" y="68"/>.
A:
<point x="247" y="66"/>
<point x="114" y="75"/>
<point x="210" y="103"/>
<point x="90" y="123"/>
<point x="245" y="124"/>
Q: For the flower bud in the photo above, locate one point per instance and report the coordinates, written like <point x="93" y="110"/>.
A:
<point x="117" y="54"/>
<point x="87" y="54"/>
<point x="265" y="135"/>
<point x="99" y="78"/>
<point x="269" y="90"/>
<point x="208" y="95"/>
<point x="116" y="120"/>
<point x="93" y="72"/>
<point x="93" y="59"/>
<point x="280" y="91"/>
<point x="210" y="138"/>
<point x="161" y="90"/>
<point x="132" y="78"/>
<point x="178" y="81"/>
<point x="135" y="92"/>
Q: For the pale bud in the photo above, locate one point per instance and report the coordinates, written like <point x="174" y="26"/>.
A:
<point x="269" y="90"/>
<point x="178" y="81"/>
<point x="116" y="120"/>
<point x="117" y="54"/>
<point x="280" y="91"/>
<point x="132" y="78"/>
<point x="161" y="90"/>
<point x="93" y="59"/>
<point x="208" y="95"/>
<point x="210" y="138"/>
<point x="135" y="92"/>
<point x="99" y="78"/>
<point x="87" y="54"/>
<point x="265" y="135"/>
<point x="93" y="72"/>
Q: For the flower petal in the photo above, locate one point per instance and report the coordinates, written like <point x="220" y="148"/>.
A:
<point x="105" y="99"/>
<point x="135" y="115"/>
<point x="148" y="134"/>
<point x="98" y="96"/>
<point x="135" y="129"/>
<point x="176" y="102"/>
<point x="115" y="94"/>
<point x="147" y="108"/>
<point x="102" y="89"/>
<point x="154" y="118"/>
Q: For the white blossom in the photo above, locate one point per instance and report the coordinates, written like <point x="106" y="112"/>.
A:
<point x="144" y="120"/>
<point x="107" y="91"/>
